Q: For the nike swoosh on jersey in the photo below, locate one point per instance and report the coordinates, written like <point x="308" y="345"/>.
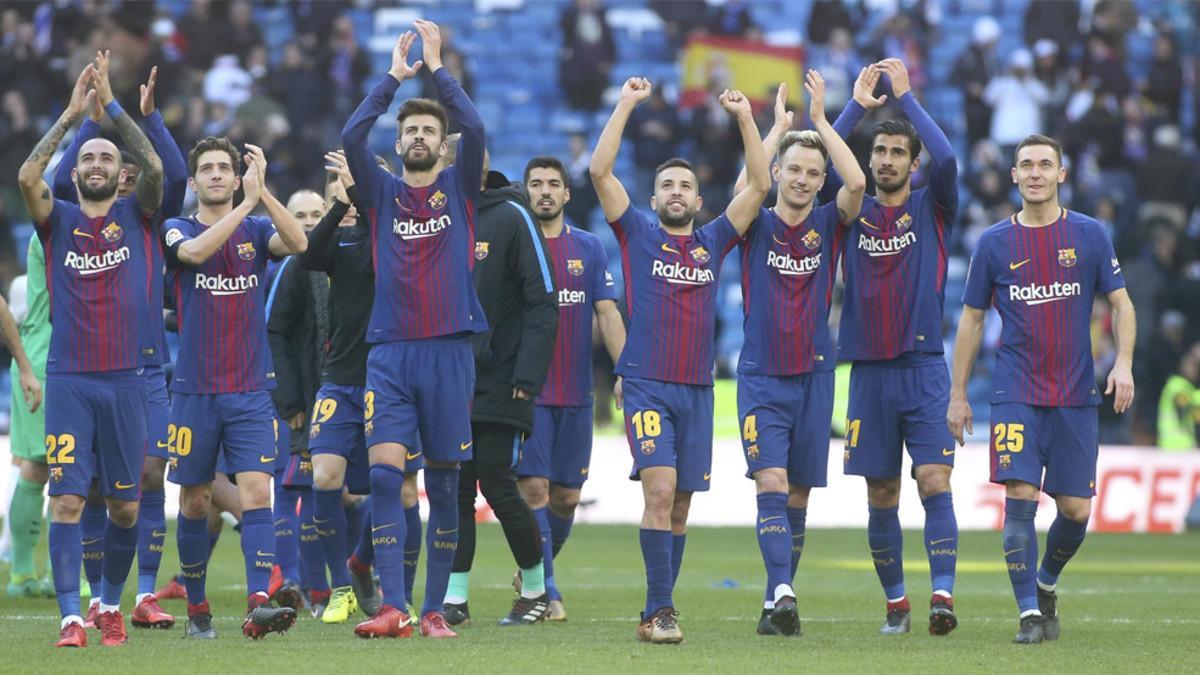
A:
<point x="265" y="460"/>
<point x="668" y="249"/>
<point x="707" y="476"/>
<point x="163" y="445"/>
<point x="80" y="233"/>
<point x="1016" y="266"/>
<point x="411" y="456"/>
<point x="464" y="446"/>
<point x="117" y="484"/>
<point x="264" y="554"/>
<point x="947" y="453"/>
<point x="864" y="222"/>
<point x="781" y="243"/>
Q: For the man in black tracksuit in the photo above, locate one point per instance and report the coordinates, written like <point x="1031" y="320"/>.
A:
<point x="512" y="278"/>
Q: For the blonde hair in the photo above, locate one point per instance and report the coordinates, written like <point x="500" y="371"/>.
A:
<point x="805" y="139"/>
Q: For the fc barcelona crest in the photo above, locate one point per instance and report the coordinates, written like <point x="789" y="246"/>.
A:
<point x="245" y="250"/>
<point x="700" y="254"/>
<point x="481" y="250"/>
<point x="1005" y="461"/>
<point x="575" y="267"/>
<point x="56" y="474"/>
<point x="315" y="431"/>
<point x="437" y="200"/>
<point x="1066" y="257"/>
<point x="111" y="232"/>
<point x="811" y="240"/>
<point x="648" y="446"/>
<point x="903" y="223"/>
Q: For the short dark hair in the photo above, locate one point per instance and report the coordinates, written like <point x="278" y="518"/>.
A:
<point x="805" y="139"/>
<point x="899" y="127"/>
<point x="422" y="106"/>
<point x="128" y="158"/>
<point x="1039" y="139"/>
<point x="546" y="162"/>
<point x="671" y="164"/>
<point x="214" y="143"/>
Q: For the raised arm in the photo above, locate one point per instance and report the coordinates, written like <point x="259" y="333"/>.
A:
<point x="149" y="189"/>
<point x="864" y="99"/>
<point x="194" y="251"/>
<point x="63" y="187"/>
<point x="850" y="195"/>
<point x="1120" y="378"/>
<point x="468" y="163"/>
<point x="943" y="175"/>
<point x="782" y="124"/>
<point x="289" y="237"/>
<point x="30" y="386"/>
<point x="175" y="171"/>
<point x="613" y="198"/>
<point x="320" y="253"/>
<point x="31" y="176"/>
<point x="743" y="209"/>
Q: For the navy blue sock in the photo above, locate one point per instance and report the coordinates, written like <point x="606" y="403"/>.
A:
<point x="258" y="549"/>
<point x="66" y="553"/>
<point x="213" y="538"/>
<point x="355" y="513"/>
<point x="388" y="531"/>
<point x="656" y="555"/>
<point x="941" y="540"/>
<point x="796" y="521"/>
<point x="1020" y="551"/>
<point x="441" y="535"/>
<point x="152" y="535"/>
<point x="312" y="556"/>
<point x="192" y="538"/>
<point x="364" y="553"/>
<point x="560" y="529"/>
<point x="678" y="542"/>
<point x="120" y="545"/>
<point x="543" y="521"/>
<point x="329" y="516"/>
<point x="91" y="532"/>
<point x="886" y="540"/>
<point x="1062" y="541"/>
<point x="774" y="539"/>
<point x="287" y="532"/>
<point x="412" y="549"/>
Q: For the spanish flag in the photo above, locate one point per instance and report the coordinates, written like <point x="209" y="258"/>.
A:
<point x="753" y="67"/>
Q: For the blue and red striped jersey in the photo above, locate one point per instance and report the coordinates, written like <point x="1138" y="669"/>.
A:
<point x="100" y="277"/>
<point x="671" y="295"/>
<point x="1042" y="281"/>
<point x="787" y="284"/>
<point x="581" y="275"/>
<point x="221" y="308"/>
<point x="423" y="239"/>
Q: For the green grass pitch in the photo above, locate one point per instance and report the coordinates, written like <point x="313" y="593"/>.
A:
<point x="1127" y="604"/>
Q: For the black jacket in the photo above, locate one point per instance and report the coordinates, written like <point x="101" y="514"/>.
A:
<point x="298" y="340"/>
<point x="515" y="287"/>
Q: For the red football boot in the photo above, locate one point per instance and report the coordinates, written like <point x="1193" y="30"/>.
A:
<point x="389" y="622"/>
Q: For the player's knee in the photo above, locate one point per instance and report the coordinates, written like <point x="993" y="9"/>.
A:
<point x="679" y="509"/>
<point x="409" y="492"/>
<point x="1078" y="509"/>
<point x="797" y="497"/>
<point x="35" y="472"/>
<point x="883" y="493"/>
<point x="536" y="491"/>
<point x="660" y="498"/>
<point x="122" y="513"/>
<point x="1016" y="489"/>
<point x="933" y="479"/>
<point x="194" y="500"/>
<point x="326" y="477"/>
<point x="564" y="501"/>
<point x="254" y="493"/>
<point x="66" y="508"/>
<point x="499" y="487"/>
<point x="770" y="480"/>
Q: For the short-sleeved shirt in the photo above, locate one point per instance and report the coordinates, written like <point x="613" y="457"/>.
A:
<point x="100" y="278"/>
<point x="580" y="269"/>
<point x="671" y="295"/>
<point x="221" y="308"/>
<point x="787" y="283"/>
<point x="1042" y="281"/>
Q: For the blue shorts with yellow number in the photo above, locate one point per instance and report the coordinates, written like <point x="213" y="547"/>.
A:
<point x="337" y="429"/>
<point x="238" y="428"/>
<point x="158" y="412"/>
<point x="419" y="394"/>
<point x="1064" y="442"/>
<point x="895" y="405"/>
<point x="560" y="448"/>
<point x="670" y="424"/>
<point x="96" y="428"/>
<point x="786" y="424"/>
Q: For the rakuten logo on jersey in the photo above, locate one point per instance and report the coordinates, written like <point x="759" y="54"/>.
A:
<point x="1040" y="294"/>
<point x="420" y="229"/>
<point x="883" y="246"/>
<point x="91" y="263"/>
<point x="678" y="273"/>
<point x="567" y="297"/>
<point x="793" y="267"/>
<point x="223" y="285"/>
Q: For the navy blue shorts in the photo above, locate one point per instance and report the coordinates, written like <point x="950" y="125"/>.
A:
<point x="419" y="394"/>
<point x="238" y="428"/>
<point x="670" y="424"/>
<point x="893" y="408"/>
<point x="336" y="428"/>
<point x="96" y="428"/>
<point x="1027" y="439"/>
<point x="560" y="448"/>
<point x="158" y="412"/>
<point x="786" y="423"/>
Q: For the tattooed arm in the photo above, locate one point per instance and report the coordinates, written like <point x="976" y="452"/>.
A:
<point x="149" y="188"/>
<point x="31" y="177"/>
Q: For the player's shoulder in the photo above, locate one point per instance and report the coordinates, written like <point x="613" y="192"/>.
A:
<point x="1085" y="223"/>
<point x="633" y="218"/>
<point x="997" y="231"/>
<point x="584" y="237"/>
